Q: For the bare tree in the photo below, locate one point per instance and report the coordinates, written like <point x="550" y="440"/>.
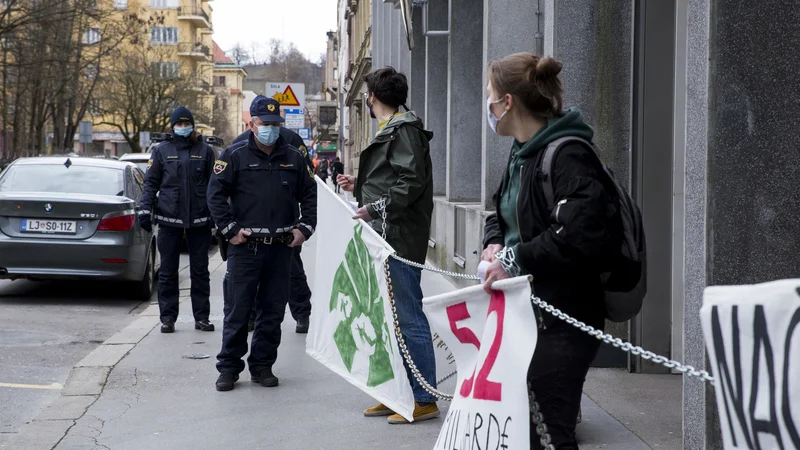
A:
<point x="141" y="90"/>
<point x="239" y="55"/>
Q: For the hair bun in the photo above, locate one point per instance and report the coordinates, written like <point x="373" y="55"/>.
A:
<point x="547" y="68"/>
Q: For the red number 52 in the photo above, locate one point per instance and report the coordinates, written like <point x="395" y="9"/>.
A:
<point x="480" y="387"/>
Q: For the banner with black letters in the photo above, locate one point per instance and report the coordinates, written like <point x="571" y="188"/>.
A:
<point x="752" y="334"/>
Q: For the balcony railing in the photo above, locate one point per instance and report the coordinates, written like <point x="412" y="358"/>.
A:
<point x="199" y="51"/>
<point x="193" y="12"/>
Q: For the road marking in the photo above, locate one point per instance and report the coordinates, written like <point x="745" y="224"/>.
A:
<point x="54" y="386"/>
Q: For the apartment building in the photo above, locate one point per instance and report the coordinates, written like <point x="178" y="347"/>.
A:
<point x="228" y="96"/>
<point x="185" y="37"/>
<point x="354" y="61"/>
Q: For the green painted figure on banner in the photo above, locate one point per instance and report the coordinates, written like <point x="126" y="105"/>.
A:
<point x="357" y="295"/>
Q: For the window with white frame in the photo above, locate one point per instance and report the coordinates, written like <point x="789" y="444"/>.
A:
<point x="164" y="35"/>
<point x="163" y="4"/>
<point x="167" y="69"/>
<point x="91" y="71"/>
<point x="91" y="36"/>
<point x="120" y="4"/>
<point x="94" y="108"/>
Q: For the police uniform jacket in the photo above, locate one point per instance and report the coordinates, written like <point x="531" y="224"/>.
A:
<point x="179" y="172"/>
<point x="264" y="191"/>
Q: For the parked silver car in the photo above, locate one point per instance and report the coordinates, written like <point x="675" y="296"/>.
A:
<point x="75" y="218"/>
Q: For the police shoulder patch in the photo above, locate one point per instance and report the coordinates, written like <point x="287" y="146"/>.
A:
<point x="219" y="166"/>
<point x="149" y="164"/>
<point x="304" y="150"/>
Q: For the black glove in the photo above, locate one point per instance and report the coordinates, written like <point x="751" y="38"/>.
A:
<point x="145" y="223"/>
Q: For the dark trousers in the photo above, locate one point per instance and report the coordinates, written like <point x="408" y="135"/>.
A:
<point x="299" y="294"/>
<point x="256" y="273"/>
<point x="557" y="373"/>
<point x="169" y="245"/>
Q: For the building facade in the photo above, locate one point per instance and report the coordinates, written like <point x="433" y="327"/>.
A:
<point x="354" y="61"/>
<point x="185" y="38"/>
<point x="693" y="118"/>
<point x="228" y="96"/>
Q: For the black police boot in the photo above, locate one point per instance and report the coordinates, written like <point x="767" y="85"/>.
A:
<point x="226" y="381"/>
<point x="265" y="378"/>
<point x="204" y="325"/>
<point x="302" y="325"/>
<point x="167" y="327"/>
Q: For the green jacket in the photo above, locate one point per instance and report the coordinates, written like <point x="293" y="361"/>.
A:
<point x="396" y="169"/>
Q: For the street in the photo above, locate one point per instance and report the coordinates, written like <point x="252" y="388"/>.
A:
<point x="47" y="328"/>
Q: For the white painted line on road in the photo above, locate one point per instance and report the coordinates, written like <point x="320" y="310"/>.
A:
<point x="54" y="386"/>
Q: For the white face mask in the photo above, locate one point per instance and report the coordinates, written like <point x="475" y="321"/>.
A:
<point x="493" y="120"/>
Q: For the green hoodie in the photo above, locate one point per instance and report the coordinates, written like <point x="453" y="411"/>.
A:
<point x="569" y="124"/>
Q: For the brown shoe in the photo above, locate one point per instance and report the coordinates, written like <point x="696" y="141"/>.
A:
<point x="378" y="411"/>
<point x="421" y="413"/>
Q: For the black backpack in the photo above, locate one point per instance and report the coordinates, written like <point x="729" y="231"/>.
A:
<point x="626" y="283"/>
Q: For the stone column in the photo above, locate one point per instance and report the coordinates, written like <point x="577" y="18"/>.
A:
<point x="466" y="95"/>
<point x="696" y="394"/>
<point x="416" y="75"/>
<point x="508" y="28"/>
<point x="436" y="93"/>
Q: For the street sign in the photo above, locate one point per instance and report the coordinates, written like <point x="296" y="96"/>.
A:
<point x="294" y="111"/>
<point x="305" y="133"/>
<point x="85" y="132"/>
<point x="144" y="139"/>
<point x="289" y="95"/>
<point x="294" y="121"/>
<point x="326" y="147"/>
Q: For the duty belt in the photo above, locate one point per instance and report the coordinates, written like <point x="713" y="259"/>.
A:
<point x="285" y="239"/>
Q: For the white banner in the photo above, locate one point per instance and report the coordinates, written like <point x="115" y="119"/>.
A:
<point x="492" y="339"/>
<point x="351" y="330"/>
<point x="752" y="335"/>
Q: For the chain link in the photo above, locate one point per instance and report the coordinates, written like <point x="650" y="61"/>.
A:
<point x="401" y="342"/>
<point x="624" y="346"/>
<point x="435" y="270"/>
<point x="538" y="421"/>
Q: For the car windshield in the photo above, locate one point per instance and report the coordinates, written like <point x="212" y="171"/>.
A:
<point x="58" y="178"/>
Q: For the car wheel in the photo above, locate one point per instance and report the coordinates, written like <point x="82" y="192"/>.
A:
<point x="144" y="289"/>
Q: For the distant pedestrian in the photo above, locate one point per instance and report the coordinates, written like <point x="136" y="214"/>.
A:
<point x="272" y="209"/>
<point x="338" y="169"/>
<point x="394" y="177"/>
<point x="322" y="169"/>
<point x="565" y="250"/>
<point x="178" y="171"/>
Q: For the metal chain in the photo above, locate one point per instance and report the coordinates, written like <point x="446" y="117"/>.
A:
<point x="538" y="421"/>
<point x="401" y="342"/>
<point x="624" y="346"/>
<point x="434" y="269"/>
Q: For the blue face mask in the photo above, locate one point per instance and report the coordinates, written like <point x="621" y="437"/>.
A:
<point x="268" y="134"/>
<point x="184" y="132"/>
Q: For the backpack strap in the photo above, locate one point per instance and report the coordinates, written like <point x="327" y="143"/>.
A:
<point x="546" y="168"/>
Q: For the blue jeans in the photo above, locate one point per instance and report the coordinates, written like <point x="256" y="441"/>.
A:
<point x="414" y="326"/>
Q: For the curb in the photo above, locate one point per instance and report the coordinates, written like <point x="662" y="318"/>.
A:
<point x="89" y="376"/>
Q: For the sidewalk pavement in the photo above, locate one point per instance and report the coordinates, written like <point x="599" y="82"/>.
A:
<point x="139" y="391"/>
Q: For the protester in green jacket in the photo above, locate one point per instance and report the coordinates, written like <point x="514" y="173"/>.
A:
<point x="394" y="177"/>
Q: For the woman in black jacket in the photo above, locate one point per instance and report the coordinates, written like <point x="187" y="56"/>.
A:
<point x="565" y="249"/>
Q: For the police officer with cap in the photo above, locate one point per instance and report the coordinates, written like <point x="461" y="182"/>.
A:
<point x="299" y="294"/>
<point x="273" y="208"/>
<point x="179" y="170"/>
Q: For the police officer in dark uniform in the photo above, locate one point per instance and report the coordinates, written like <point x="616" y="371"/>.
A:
<point x="179" y="171"/>
<point x="300" y="294"/>
<point x="273" y="209"/>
